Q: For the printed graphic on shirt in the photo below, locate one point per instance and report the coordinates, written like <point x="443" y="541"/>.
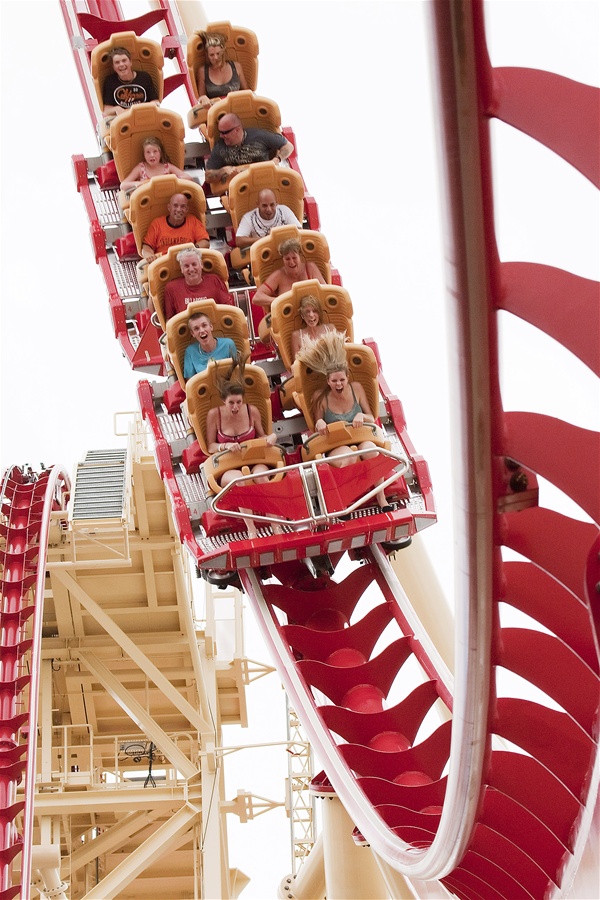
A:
<point x="129" y="94"/>
<point x="243" y="154"/>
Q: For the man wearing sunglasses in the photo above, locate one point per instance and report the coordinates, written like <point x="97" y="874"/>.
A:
<point x="238" y="147"/>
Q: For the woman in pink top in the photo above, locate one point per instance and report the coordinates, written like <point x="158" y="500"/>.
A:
<point x="155" y="162"/>
<point x="229" y="425"/>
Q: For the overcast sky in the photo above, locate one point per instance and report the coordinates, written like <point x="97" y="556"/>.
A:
<point x="353" y="81"/>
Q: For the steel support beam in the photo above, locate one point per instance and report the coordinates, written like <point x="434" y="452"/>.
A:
<point x="134" y="653"/>
<point x="138" y="714"/>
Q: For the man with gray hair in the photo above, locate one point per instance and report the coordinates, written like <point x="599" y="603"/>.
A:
<point x="194" y="285"/>
<point x="257" y="223"/>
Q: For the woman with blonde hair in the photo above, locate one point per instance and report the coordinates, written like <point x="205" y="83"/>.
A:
<point x="219" y="76"/>
<point x="155" y="162"/>
<point x="311" y="313"/>
<point x="341" y="400"/>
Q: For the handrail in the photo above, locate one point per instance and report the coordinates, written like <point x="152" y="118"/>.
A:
<point x="312" y="519"/>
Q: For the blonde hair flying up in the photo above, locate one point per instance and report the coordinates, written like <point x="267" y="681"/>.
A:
<point x="325" y="354"/>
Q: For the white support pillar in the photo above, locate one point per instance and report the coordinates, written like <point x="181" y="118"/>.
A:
<point x="45" y="868"/>
<point x="422" y="587"/>
<point x="192" y="15"/>
<point x="351" y="872"/>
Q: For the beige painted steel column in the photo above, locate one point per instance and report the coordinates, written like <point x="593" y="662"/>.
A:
<point x="351" y="872"/>
<point x="192" y="15"/>
<point x="420" y="582"/>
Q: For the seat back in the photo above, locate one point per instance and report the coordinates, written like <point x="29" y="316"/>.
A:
<point x="202" y="395"/>
<point x="228" y="321"/>
<point x="166" y="267"/>
<point x="265" y="258"/>
<point x="286" y="184"/>
<point x="336" y="308"/>
<point x="129" y="131"/>
<point x="362" y="367"/>
<point x="146" y="56"/>
<point x="149" y="201"/>
<point x="241" y="47"/>
<point x="254" y="112"/>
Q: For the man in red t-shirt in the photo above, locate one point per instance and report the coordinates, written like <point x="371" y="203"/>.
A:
<point x="195" y="284"/>
<point x="177" y="227"/>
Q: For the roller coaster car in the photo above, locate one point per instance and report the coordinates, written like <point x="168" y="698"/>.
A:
<point x="228" y="321"/>
<point x="128" y="132"/>
<point x="253" y="111"/>
<point x="146" y="56"/>
<point x="241" y="47"/>
<point x="336" y="311"/>
<point x="166" y="268"/>
<point x="148" y="202"/>
<point x="244" y="189"/>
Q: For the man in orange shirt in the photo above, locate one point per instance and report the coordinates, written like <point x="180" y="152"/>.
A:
<point x="177" y="227"/>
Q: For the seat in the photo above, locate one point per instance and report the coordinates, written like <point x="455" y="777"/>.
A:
<point x="241" y="47"/>
<point x="129" y="130"/>
<point x="253" y="111"/>
<point x="285" y="316"/>
<point x="362" y="367"/>
<point x="202" y="394"/>
<point x="286" y="184"/>
<point x="265" y="258"/>
<point x="146" y="56"/>
<point x="166" y="267"/>
<point x="149" y="201"/>
<point x="228" y="322"/>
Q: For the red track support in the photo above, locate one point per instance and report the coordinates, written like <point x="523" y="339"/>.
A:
<point x="27" y="501"/>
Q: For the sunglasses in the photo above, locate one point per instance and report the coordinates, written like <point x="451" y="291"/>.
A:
<point x="229" y="130"/>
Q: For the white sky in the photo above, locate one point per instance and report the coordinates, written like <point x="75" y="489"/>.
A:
<point x="353" y="81"/>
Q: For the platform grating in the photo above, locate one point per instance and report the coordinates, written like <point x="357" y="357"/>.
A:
<point x="107" y="207"/>
<point x="174" y="427"/>
<point x="125" y="277"/>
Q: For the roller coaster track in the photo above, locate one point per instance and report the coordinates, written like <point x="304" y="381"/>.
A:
<point x="490" y="795"/>
<point x="27" y="502"/>
<point x="462" y="806"/>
